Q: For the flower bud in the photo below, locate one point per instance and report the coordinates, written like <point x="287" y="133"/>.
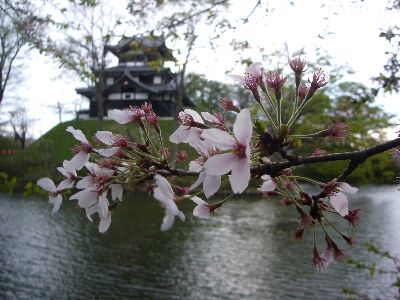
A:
<point x="227" y="105"/>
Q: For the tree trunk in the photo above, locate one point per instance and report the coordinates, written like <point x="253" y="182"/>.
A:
<point x="99" y="88"/>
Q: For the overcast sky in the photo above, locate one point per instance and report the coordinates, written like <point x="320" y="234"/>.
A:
<point x="349" y="30"/>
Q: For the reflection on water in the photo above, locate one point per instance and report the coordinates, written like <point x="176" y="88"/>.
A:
<point x="245" y="252"/>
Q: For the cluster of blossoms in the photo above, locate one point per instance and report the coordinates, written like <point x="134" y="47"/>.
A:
<point x="228" y="155"/>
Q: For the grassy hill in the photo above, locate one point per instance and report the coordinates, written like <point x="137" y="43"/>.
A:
<point x="41" y="158"/>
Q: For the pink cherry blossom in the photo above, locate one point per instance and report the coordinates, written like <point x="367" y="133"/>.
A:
<point x="211" y="183"/>
<point x="268" y="184"/>
<point x="186" y="132"/>
<point x="164" y="193"/>
<point x="237" y="161"/>
<point x="339" y="200"/>
<point x="202" y="209"/>
<point x="83" y="150"/>
<point x="110" y="139"/>
<point x="133" y="114"/>
<point x="101" y="207"/>
<point x="97" y="177"/>
<point x="70" y="175"/>
<point x="54" y="192"/>
<point x="252" y="78"/>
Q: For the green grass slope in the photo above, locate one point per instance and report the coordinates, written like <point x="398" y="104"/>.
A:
<point x="41" y="158"/>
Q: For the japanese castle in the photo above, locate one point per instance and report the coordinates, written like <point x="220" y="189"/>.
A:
<point x="139" y="77"/>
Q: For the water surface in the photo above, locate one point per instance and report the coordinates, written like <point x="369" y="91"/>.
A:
<point x="246" y="251"/>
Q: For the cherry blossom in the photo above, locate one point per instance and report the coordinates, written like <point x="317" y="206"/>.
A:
<point x="268" y="184"/>
<point x="238" y="160"/>
<point x="83" y="150"/>
<point x="54" y="192"/>
<point x="186" y="132"/>
<point x="70" y="175"/>
<point x="252" y="78"/>
<point x="133" y="114"/>
<point x="202" y="209"/>
<point x="163" y="192"/>
<point x="211" y="183"/>
<point x="339" y="200"/>
<point x="110" y="139"/>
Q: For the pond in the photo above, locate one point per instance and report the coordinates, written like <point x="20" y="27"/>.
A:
<point x="246" y="251"/>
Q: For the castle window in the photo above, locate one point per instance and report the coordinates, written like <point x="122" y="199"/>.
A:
<point x="110" y="81"/>
<point x="157" y="80"/>
<point x="114" y="96"/>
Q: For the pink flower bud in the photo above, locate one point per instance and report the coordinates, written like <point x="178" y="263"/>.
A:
<point x="138" y="113"/>
<point x="319" y="80"/>
<point x="182" y="155"/>
<point x="302" y="93"/>
<point x="275" y="80"/>
<point x="319" y="152"/>
<point x="227" y="105"/>
<point x="297" y="64"/>
<point x="152" y="118"/>
<point x="354" y="216"/>
<point x="164" y="152"/>
<point x="336" y="130"/>
<point x="147" y="108"/>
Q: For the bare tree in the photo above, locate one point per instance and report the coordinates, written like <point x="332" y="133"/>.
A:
<point x="20" y="124"/>
<point x="82" y="48"/>
<point x="19" y="25"/>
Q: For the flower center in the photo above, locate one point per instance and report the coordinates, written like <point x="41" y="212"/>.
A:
<point x="240" y="150"/>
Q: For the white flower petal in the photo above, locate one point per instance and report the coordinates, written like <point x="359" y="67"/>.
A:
<point x="78" y="161"/>
<point x="106" y="137"/>
<point x="198" y="200"/>
<point x="345" y="187"/>
<point x="239" y="78"/>
<point x="103" y="205"/>
<point x="243" y="128"/>
<point x="68" y="168"/>
<point x="116" y="192"/>
<point x="199" y="181"/>
<point x="202" y="147"/>
<point x="160" y="195"/>
<point x="211" y="185"/>
<point x="63" y="171"/>
<point x="181" y="135"/>
<point x="201" y="212"/>
<point x="121" y="116"/>
<point x="47" y="184"/>
<point x="240" y="175"/>
<point x="195" y="166"/>
<point x="266" y="177"/>
<point x="164" y="185"/>
<point x="56" y="201"/>
<point x="65" y="184"/>
<point x="209" y="117"/>
<point x="107" y="152"/>
<point x="86" y="198"/>
<point x="105" y="223"/>
<point x="85" y="182"/>
<point x="267" y="186"/>
<point x="195" y="115"/>
<point x="254" y="69"/>
<point x="220" y="164"/>
<point x="340" y="203"/>
<point x="168" y="221"/>
<point x="219" y="138"/>
<point x="78" y="134"/>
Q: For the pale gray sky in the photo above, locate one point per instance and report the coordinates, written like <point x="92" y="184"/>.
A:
<point x="350" y="32"/>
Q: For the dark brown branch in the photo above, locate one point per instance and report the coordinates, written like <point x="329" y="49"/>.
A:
<point x="273" y="169"/>
<point x="357" y="157"/>
<point x="245" y="20"/>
